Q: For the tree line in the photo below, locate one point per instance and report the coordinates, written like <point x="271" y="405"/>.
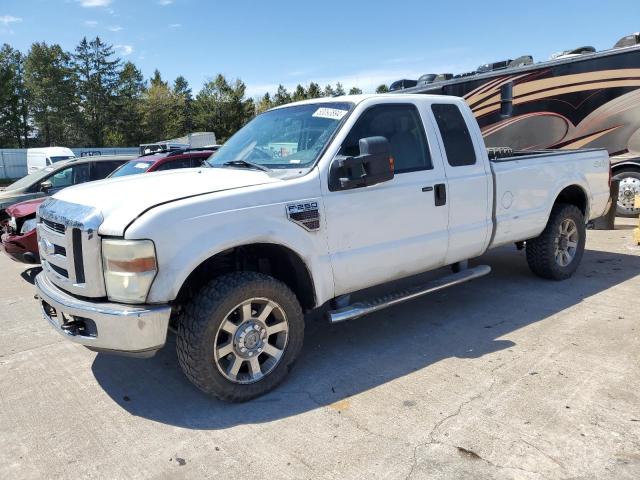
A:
<point x="90" y="97"/>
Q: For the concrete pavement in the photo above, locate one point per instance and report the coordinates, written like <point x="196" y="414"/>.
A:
<point x="508" y="377"/>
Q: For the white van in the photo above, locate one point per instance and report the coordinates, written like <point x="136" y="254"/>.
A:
<point x="39" y="158"/>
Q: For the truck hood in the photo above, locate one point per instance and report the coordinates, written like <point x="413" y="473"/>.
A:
<point x="121" y="200"/>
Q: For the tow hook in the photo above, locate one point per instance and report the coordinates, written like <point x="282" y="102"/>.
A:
<point x="75" y="327"/>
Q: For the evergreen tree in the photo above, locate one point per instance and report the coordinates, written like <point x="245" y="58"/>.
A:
<point x="329" y="91"/>
<point x="382" y="89"/>
<point x="222" y="108"/>
<point x="126" y="128"/>
<point x="14" y="128"/>
<point x="264" y="104"/>
<point x="52" y="99"/>
<point x="313" y="91"/>
<point x="339" y="91"/>
<point x="281" y="97"/>
<point x="299" y="93"/>
<point x="181" y="89"/>
<point x="355" y="91"/>
<point x="97" y="80"/>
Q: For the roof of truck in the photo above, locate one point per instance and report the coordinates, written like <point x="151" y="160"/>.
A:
<point x="356" y="99"/>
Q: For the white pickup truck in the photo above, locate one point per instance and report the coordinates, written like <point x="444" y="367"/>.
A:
<point x="305" y="205"/>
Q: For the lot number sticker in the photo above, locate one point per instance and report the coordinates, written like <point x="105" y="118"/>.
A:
<point x="331" y="113"/>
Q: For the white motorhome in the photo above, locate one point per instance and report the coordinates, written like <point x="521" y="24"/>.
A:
<point x="39" y="158"/>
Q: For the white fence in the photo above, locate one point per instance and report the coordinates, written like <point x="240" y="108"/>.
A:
<point x="13" y="161"/>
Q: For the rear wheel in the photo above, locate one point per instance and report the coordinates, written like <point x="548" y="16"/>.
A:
<point x="629" y="188"/>
<point x="557" y="252"/>
<point x="240" y="335"/>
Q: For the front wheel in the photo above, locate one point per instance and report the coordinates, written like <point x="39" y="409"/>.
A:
<point x="629" y="188"/>
<point x="557" y="252"/>
<point x="239" y="336"/>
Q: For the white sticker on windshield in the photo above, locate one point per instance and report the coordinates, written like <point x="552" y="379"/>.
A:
<point x="294" y="161"/>
<point x="141" y="165"/>
<point x="332" y="113"/>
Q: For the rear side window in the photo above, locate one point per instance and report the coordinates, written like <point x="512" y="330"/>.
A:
<point x="402" y="127"/>
<point x="455" y="134"/>
<point x="175" y="164"/>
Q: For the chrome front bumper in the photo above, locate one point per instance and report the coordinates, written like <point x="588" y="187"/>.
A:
<point x="127" y="329"/>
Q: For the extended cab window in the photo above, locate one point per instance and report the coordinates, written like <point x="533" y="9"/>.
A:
<point x="402" y="127"/>
<point x="455" y="134"/>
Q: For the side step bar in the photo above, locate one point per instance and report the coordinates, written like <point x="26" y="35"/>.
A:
<point x="359" y="309"/>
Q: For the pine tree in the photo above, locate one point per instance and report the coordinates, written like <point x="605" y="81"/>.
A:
<point x="264" y="104"/>
<point x="299" y="93"/>
<point x="382" y="89"/>
<point x="53" y="103"/>
<point x="339" y="91"/>
<point x="313" y="91"/>
<point x="355" y="91"/>
<point x="126" y="126"/>
<point x="222" y="108"/>
<point x="181" y="89"/>
<point x="14" y="127"/>
<point x="282" y="96"/>
<point x="97" y="80"/>
<point x="329" y="91"/>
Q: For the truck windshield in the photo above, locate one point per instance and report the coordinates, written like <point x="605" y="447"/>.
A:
<point x="285" y="138"/>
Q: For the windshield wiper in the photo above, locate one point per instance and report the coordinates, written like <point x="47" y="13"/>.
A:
<point x="245" y="164"/>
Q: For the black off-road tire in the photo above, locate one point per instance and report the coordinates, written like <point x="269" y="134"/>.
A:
<point x="541" y="250"/>
<point x="202" y="317"/>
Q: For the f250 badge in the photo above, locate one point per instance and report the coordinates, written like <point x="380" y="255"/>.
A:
<point x="305" y="214"/>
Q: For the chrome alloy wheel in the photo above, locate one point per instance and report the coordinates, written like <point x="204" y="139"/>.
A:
<point x="251" y="340"/>
<point x="566" y="242"/>
<point x="629" y="188"/>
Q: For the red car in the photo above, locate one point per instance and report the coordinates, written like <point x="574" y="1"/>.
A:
<point x="19" y="239"/>
<point x="157" y="162"/>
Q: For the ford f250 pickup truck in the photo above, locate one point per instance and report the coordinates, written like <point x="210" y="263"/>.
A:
<point x="305" y="205"/>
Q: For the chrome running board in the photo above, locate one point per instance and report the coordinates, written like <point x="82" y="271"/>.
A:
<point x="364" y="308"/>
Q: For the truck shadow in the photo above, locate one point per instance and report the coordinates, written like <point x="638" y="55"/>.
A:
<point x="338" y="361"/>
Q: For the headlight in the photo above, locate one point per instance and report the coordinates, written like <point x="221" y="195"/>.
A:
<point x="28" y="225"/>
<point x="13" y="224"/>
<point x="129" y="269"/>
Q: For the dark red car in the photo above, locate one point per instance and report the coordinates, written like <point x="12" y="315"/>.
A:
<point x="157" y="162"/>
<point x="19" y="239"/>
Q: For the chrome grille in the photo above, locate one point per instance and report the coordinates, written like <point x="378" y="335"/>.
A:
<point x="70" y="247"/>
<point x="56" y="227"/>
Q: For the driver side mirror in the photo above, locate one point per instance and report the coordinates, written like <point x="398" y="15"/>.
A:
<point x="46" y="186"/>
<point x="374" y="165"/>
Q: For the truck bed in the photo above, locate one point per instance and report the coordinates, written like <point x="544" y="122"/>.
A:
<point x="527" y="183"/>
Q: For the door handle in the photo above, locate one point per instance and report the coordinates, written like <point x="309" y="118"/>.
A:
<point x="427" y="189"/>
<point x="440" y="196"/>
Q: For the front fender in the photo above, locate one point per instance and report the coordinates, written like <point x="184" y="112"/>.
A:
<point x="192" y="240"/>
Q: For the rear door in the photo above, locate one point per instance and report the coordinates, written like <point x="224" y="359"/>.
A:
<point x="469" y="193"/>
<point x="393" y="229"/>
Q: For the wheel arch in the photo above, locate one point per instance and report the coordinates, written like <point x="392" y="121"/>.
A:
<point x="575" y="195"/>
<point x="272" y="259"/>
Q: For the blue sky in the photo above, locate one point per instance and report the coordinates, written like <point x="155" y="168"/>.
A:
<point x="359" y="43"/>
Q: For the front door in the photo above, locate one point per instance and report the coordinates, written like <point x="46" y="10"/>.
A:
<point x="393" y="229"/>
